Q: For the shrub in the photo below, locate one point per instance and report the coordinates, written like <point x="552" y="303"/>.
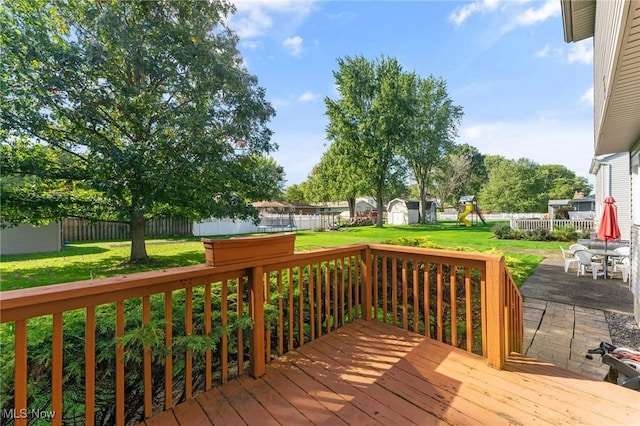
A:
<point x="517" y="234"/>
<point x="358" y="221"/>
<point x="565" y="234"/>
<point x="539" y="234"/>
<point x="502" y="231"/>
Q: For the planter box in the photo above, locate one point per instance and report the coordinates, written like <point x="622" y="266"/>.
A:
<point x="247" y="249"/>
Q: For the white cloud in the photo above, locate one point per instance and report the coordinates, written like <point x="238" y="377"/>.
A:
<point x="250" y="44"/>
<point x="544" y="52"/>
<point x="533" y="15"/>
<point x="461" y="14"/>
<point x="308" y="97"/>
<point x="293" y="45"/>
<point x="255" y="17"/>
<point x="545" y="139"/>
<point x="587" y="97"/>
<point x="581" y="52"/>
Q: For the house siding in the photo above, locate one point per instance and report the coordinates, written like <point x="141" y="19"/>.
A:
<point x="609" y="16"/>
<point x="614" y="178"/>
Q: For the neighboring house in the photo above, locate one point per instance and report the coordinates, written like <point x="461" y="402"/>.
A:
<point x="363" y="204"/>
<point x="26" y="238"/>
<point x="403" y="212"/>
<point x="614" y="26"/>
<point x="576" y="208"/>
<point x="613" y="179"/>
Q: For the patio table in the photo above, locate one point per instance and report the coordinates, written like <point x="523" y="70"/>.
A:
<point x="606" y="254"/>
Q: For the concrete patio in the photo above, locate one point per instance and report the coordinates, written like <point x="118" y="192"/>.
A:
<point x="564" y="315"/>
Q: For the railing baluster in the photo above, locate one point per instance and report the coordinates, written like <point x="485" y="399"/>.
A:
<point x="280" y="316"/>
<point x="327" y="297"/>
<point x="439" y="325"/>
<point x="405" y="295"/>
<point x="148" y="393"/>
<point x="20" y="373"/>
<point x="483" y="304"/>
<point x="318" y="282"/>
<point x="453" y="296"/>
<point x="90" y="366"/>
<point x="239" y="311"/>
<point x="224" y="320"/>
<point x="394" y="289"/>
<point x="266" y="278"/>
<point x="385" y="286"/>
<point x="207" y="331"/>
<point x="291" y="316"/>
<point x="188" y="371"/>
<point x="120" y="385"/>
<point x="336" y="322"/>
<point x="342" y="286"/>
<point x="416" y="298"/>
<point x="350" y="292"/>
<point x="168" y="359"/>
<point x="376" y="286"/>
<point x="300" y="306"/>
<point x="312" y="315"/>
<point x="57" y="362"/>
<point x="356" y="277"/>
<point x="427" y="300"/>
<point x="468" y="308"/>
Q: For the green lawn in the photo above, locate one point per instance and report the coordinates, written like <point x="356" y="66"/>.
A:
<point x="81" y="261"/>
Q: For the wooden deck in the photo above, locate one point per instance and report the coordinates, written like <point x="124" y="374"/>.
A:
<point x="372" y="373"/>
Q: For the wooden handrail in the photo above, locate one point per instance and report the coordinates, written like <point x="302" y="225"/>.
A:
<point x="313" y="293"/>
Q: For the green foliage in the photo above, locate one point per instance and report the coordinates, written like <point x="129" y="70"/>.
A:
<point x="370" y="121"/>
<point x="539" y="234"/>
<point x="502" y="231"/>
<point x="567" y="233"/>
<point x="128" y="110"/>
<point x="435" y="121"/>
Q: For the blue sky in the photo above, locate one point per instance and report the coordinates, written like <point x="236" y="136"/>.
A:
<point x="525" y="92"/>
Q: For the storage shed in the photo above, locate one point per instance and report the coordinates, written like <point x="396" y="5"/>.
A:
<point x="403" y="212"/>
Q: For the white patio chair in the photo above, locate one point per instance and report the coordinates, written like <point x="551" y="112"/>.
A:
<point x="569" y="259"/>
<point x="585" y="260"/>
<point x="574" y="247"/>
<point x="625" y="267"/>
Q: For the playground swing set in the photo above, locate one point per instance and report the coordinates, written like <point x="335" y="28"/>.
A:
<point x="467" y="205"/>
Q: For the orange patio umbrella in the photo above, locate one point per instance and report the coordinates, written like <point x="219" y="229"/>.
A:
<point x="608" y="229"/>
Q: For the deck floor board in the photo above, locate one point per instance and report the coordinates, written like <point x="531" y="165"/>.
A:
<point x="370" y="373"/>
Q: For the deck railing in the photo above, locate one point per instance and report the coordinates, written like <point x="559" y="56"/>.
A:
<point x="152" y="339"/>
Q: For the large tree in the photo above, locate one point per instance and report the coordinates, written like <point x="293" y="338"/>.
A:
<point x="371" y="119"/>
<point x="149" y="102"/>
<point x="514" y="186"/>
<point x="337" y="177"/>
<point x="434" y="125"/>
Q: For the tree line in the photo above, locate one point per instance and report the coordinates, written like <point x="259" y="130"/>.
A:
<point x="392" y="134"/>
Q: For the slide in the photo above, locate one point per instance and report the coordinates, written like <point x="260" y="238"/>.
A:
<point x="462" y="217"/>
<point x="477" y="210"/>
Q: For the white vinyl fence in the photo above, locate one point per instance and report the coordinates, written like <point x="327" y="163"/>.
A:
<point x="551" y="224"/>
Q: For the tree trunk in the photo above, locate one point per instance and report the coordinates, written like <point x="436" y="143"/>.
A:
<point x="423" y="204"/>
<point x="352" y="207"/>
<point x="379" y="209"/>
<point x="138" y="247"/>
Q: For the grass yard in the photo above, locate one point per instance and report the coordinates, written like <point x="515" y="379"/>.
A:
<point x="86" y="260"/>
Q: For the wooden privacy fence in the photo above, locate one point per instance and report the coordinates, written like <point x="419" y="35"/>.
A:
<point x="148" y="340"/>
<point x="75" y="229"/>
<point x="551" y="224"/>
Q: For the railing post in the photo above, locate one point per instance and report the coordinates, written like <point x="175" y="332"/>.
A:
<point x="495" y="313"/>
<point x="256" y="310"/>
<point x="365" y="287"/>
